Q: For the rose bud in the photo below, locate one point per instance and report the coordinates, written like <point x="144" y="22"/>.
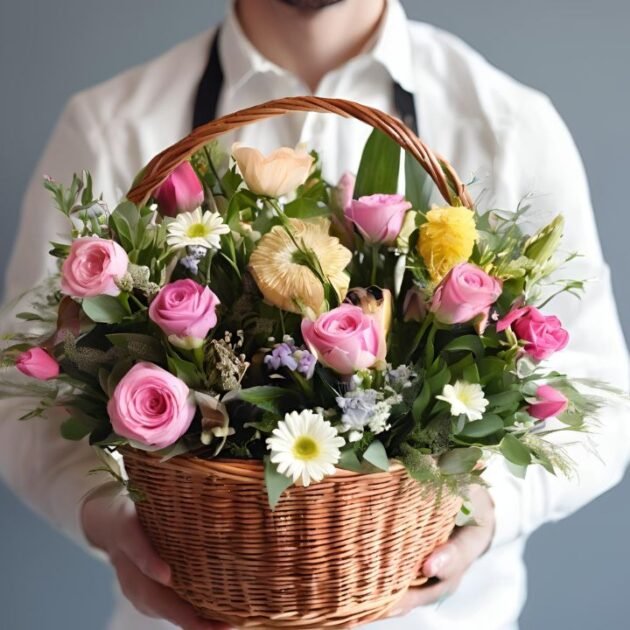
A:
<point x="550" y="403"/>
<point x="465" y="293"/>
<point x="379" y="218"/>
<point x="38" y="363"/>
<point x="180" y="192"/>
<point x="543" y="334"/>
<point x="185" y="311"/>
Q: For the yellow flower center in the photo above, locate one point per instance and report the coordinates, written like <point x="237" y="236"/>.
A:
<point x="305" y="448"/>
<point x="196" y="230"/>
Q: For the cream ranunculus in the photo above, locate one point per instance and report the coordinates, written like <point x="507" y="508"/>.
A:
<point x="282" y="276"/>
<point x="273" y="175"/>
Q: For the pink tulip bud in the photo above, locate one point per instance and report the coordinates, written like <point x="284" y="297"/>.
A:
<point x="551" y="403"/>
<point x="181" y="191"/>
<point x="38" y="363"/>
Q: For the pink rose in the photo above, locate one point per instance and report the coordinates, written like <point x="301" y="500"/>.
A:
<point x="465" y="292"/>
<point x="151" y="406"/>
<point x="379" y="218"/>
<point x="37" y="363"/>
<point x="345" y="339"/>
<point x="92" y="268"/>
<point x="543" y="334"/>
<point x="181" y="191"/>
<point x="551" y="403"/>
<point x="185" y="311"/>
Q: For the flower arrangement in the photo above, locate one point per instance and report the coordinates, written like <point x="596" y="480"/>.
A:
<point x="252" y="310"/>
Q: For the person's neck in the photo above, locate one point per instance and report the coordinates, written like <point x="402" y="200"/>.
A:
<point x="310" y="44"/>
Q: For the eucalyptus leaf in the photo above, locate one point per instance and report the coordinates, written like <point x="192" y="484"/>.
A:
<point x="377" y="455"/>
<point x="275" y="483"/>
<point x="515" y="451"/>
<point x="489" y="424"/>
<point x="460" y="460"/>
<point x="78" y="425"/>
<point x="349" y="461"/>
<point x="104" y="309"/>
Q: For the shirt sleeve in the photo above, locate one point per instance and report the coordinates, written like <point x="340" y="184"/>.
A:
<point x="50" y="474"/>
<point x="538" y="157"/>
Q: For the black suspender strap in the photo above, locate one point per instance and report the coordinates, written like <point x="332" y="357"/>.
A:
<point x="405" y="104"/>
<point x="209" y="90"/>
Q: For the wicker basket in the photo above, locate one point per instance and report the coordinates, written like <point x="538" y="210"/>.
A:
<point x="334" y="555"/>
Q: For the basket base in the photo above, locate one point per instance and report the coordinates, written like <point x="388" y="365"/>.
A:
<point x="350" y="618"/>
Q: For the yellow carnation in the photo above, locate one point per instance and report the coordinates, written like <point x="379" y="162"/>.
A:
<point x="281" y="274"/>
<point x="446" y="239"/>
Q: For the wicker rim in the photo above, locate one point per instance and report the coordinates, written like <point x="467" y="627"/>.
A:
<point x="439" y="169"/>
<point x="244" y="470"/>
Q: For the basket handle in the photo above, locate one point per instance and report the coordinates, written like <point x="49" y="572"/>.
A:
<point x="440" y="171"/>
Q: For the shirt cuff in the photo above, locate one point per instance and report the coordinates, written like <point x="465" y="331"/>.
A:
<point x="506" y="492"/>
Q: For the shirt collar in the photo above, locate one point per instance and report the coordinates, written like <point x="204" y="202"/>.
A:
<point x="391" y="47"/>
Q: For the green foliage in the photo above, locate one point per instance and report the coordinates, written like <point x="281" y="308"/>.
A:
<point x="104" y="309"/>
<point x="376" y="455"/>
<point x="275" y="483"/>
<point x="379" y="166"/>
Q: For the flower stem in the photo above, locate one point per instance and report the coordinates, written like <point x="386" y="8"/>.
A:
<point x="374" y="264"/>
<point x="419" y="335"/>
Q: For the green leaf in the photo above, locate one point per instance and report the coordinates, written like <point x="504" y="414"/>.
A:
<point x="489" y="424"/>
<point x="275" y="482"/>
<point x="504" y="401"/>
<point x="418" y="184"/>
<point x="185" y="371"/>
<point x="515" y="451"/>
<point x="78" y="426"/>
<point x="303" y="208"/>
<point x="469" y="343"/>
<point x="421" y="403"/>
<point x="266" y="397"/>
<point x="380" y="163"/>
<point x="377" y="455"/>
<point x="104" y="309"/>
<point x="460" y="460"/>
<point x="442" y="377"/>
<point x="349" y="461"/>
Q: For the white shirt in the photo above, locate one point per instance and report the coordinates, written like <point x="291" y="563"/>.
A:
<point x="489" y="126"/>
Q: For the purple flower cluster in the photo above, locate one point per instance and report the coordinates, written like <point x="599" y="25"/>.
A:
<point x="288" y="355"/>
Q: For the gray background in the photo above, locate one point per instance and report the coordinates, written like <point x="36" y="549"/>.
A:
<point x="577" y="51"/>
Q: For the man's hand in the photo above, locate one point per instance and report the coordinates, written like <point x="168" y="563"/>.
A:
<point x="449" y="562"/>
<point x="111" y="524"/>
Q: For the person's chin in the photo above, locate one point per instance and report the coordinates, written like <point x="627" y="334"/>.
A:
<point x="311" y="5"/>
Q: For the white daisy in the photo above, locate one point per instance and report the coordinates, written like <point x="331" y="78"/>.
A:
<point x="465" y="398"/>
<point x="196" y="229"/>
<point x="305" y="446"/>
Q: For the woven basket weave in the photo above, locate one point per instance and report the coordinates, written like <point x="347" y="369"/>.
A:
<point x="337" y="554"/>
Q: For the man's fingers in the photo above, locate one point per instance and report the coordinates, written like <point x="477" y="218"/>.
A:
<point x="135" y="544"/>
<point x="464" y="546"/>
<point x="423" y="596"/>
<point x="154" y="600"/>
